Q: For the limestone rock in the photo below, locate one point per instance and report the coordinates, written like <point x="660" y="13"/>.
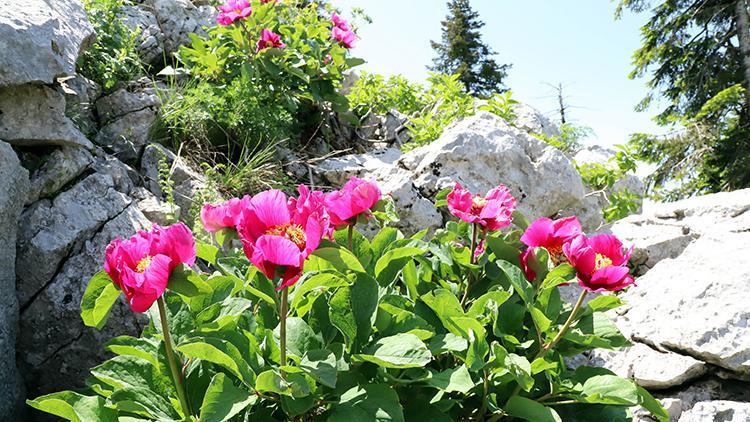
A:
<point x="35" y="115"/>
<point x="187" y="183"/>
<point x="41" y="40"/>
<point x="180" y="18"/>
<point x="696" y="304"/>
<point x="127" y="100"/>
<point x="724" y="411"/>
<point x="338" y="170"/>
<point x="483" y="151"/>
<point x="158" y="211"/>
<point x="56" y="350"/>
<point x="124" y="177"/>
<point x="51" y="229"/>
<point x="80" y="96"/>
<point x="14" y="181"/>
<point x="416" y="212"/>
<point x="61" y="166"/>
<point x="126" y="136"/>
<point x="150" y="44"/>
<point x="532" y="121"/>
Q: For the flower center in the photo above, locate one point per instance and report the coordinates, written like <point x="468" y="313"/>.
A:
<point x="477" y="204"/>
<point x="556" y="254"/>
<point x="602" y="262"/>
<point x="293" y="232"/>
<point x="143" y="264"/>
<point x="269" y="44"/>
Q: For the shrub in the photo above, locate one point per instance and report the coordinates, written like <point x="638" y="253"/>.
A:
<point x="113" y="56"/>
<point x="465" y="325"/>
<point x="375" y="93"/>
<point x="603" y="177"/>
<point x="569" y="139"/>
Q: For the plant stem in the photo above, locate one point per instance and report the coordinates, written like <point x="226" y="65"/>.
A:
<point x="547" y="347"/>
<point x="473" y="260"/>
<point x="176" y="377"/>
<point x="282" y="325"/>
<point x="485" y="393"/>
<point x="350" y="235"/>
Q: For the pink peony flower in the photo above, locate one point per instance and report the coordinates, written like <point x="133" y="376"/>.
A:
<point x="221" y="216"/>
<point x="356" y="198"/>
<point x="479" y="250"/>
<point x="346" y="38"/>
<point x="493" y="212"/>
<point x="233" y="10"/>
<point x="277" y="237"/>
<point x="141" y="266"/>
<point x="600" y="263"/>
<point x="525" y="258"/>
<point x="269" y="39"/>
<point x="340" y="22"/>
<point x="551" y="235"/>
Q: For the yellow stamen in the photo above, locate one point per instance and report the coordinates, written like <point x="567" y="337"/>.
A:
<point x="602" y="262"/>
<point x="293" y="232"/>
<point x="478" y="203"/>
<point x="556" y="255"/>
<point x="143" y="264"/>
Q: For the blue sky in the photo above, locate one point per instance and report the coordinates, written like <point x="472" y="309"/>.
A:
<point x="577" y="43"/>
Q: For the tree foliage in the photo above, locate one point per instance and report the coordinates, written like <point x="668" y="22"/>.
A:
<point x="462" y="51"/>
<point x="696" y="55"/>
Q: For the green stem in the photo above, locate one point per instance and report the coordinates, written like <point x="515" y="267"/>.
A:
<point x="350" y="235"/>
<point x="176" y="377"/>
<point x="282" y="325"/>
<point x="485" y="393"/>
<point x="473" y="260"/>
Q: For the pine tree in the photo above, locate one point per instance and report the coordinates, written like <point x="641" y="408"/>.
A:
<point x="462" y="52"/>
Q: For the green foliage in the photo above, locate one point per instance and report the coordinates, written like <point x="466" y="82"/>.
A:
<point x="373" y="333"/>
<point x="602" y="178"/>
<point x="113" y="56"/>
<point x="699" y="75"/>
<point x="501" y="104"/>
<point x="569" y="139"/>
<point x="462" y="52"/>
<point x="373" y="92"/>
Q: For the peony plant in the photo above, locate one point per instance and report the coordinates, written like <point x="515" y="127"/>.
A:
<point x="292" y="313"/>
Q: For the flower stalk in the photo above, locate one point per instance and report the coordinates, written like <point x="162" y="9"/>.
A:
<point x="473" y="260"/>
<point x="173" y="367"/>
<point x="350" y="235"/>
<point x="283" y="310"/>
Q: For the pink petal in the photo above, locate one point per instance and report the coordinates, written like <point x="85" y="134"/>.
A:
<point x="271" y="208"/>
<point x="538" y="233"/>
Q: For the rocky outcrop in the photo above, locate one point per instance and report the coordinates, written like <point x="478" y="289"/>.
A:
<point x="14" y="181"/>
<point x="479" y="152"/>
<point x="688" y="315"/>
<point x="532" y="121"/>
<point x="180" y="18"/>
<point x="41" y="40"/>
<point x="35" y="115"/>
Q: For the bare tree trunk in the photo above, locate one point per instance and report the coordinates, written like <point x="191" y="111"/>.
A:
<point x="743" y="31"/>
<point x="561" y="101"/>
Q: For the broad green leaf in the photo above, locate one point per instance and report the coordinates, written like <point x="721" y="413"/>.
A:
<point x="451" y="380"/>
<point x="523" y="408"/>
<point x="596" y="331"/>
<point x="219" y="352"/>
<point x="374" y="402"/>
<point x="392" y="262"/>
<point x="383" y="240"/>
<point x="360" y="245"/>
<point x="321" y="365"/>
<point x="446" y="306"/>
<point x="522" y="286"/>
<point x="341" y="314"/>
<point x="520" y="368"/>
<point x="353" y="310"/>
<point x="648" y="402"/>
<point x="223" y="315"/>
<point x="603" y="303"/>
<point x="206" y="252"/>
<point x="130" y="371"/>
<point x="447" y="342"/>
<point x="561" y="274"/>
<point x="74" y="407"/>
<point x="292" y="384"/>
<point x="541" y="320"/>
<point x="394" y="320"/>
<point x="223" y="400"/>
<point x="520" y="220"/>
<point x="101" y="293"/>
<point x="480" y="305"/>
<point x="313" y="286"/>
<point x="610" y="389"/>
<point x="143" y="402"/>
<point x="333" y="258"/>
<point x="399" y="351"/>
<point x="300" y="337"/>
<point x="186" y="282"/>
<point x="502" y="250"/>
<point x="143" y="348"/>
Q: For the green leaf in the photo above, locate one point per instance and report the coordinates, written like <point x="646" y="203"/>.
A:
<point x="446" y="306"/>
<point x="373" y="402"/>
<point x="648" y="402"/>
<point x="520" y="368"/>
<point x="391" y="263"/>
<point x="143" y="402"/>
<point x="143" y="348"/>
<point x="561" y="274"/>
<point x="300" y="337"/>
<point x="360" y="245"/>
<point x="295" y="385"/>
<point x="130" y="371"/>
<point x="206" y="252"/>
<point x="101" y="293"/>
<point x="342" y="316"/>
<point x="74" y="407"/>
<point x="523" y="408"/>
<point x="353" y="309"/>
<point x="480" y="305"/>
<point x="219" y="352"/>
<point x="503" y="250"/>
<point x="321" y="365"/>
<point x="383" y="240"/>
<point x="522" y="286"/>
<point x="447" y="342"/>
<point x="313" y="286"/>
<point x="451" y="380"/>
<point x="333" y="258"/>
<point x="399" y="351"/>
<point x="223" y="400"/>
<point x="186" y="282"/>
<point x="610" y="389"/>
<point x="223" y="315"/>
<point x="603" y="303"/>
<point x="541" y="320"/>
